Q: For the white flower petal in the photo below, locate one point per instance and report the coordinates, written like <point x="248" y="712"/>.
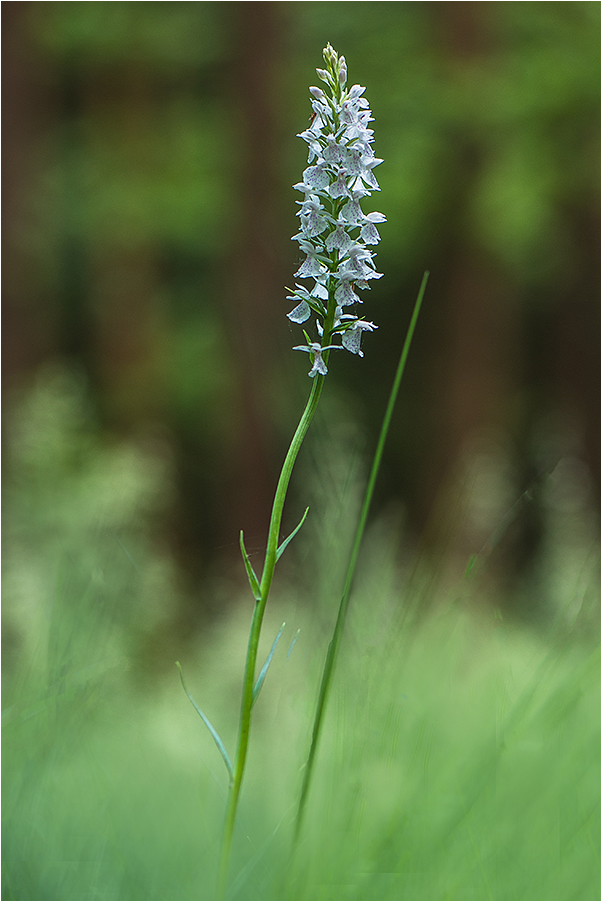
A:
<point x="301" y="313"/>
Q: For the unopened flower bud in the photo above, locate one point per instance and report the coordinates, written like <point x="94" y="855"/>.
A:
<point x="330" y="56"/>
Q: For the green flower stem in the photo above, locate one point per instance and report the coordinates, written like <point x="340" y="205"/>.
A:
<point x="260" y="605"/>
<point x="340" y="623"/>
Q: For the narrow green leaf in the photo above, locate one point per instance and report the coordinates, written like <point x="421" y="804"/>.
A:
<point x="316" y="306"/>
<point x="292" y="645"/>
<point x="471" y="562"/>
<point x="264" y="669"/>
<point x="333" y="647"/>
<point x="209" y="725"/>
<point x="282" y="547"/>
<point x="250" y="572"/>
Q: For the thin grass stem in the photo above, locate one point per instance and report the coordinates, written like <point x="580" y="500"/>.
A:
<point x="333" y="647"/>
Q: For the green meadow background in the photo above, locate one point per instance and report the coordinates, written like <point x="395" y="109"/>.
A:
<point x="149" y="395"/>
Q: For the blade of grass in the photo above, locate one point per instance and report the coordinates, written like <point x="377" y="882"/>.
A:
<point x="292" y="645"/>
<point x="268" y="661"/>
<point x="253" y="581"/>
<point x="282" y="547"/>
<point x="216" y="737"/>
<point x="344" y="604"/>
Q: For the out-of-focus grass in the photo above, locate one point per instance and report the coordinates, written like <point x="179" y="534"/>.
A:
<point x="464" y="768"/>
<point x="459" y="760"/>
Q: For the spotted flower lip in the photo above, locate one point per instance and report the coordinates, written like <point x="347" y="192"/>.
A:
<point x="352" y="335"/>
<point x="351" y="328"/>
<point x="335" y="234"/>
<point x="316" y="350"/>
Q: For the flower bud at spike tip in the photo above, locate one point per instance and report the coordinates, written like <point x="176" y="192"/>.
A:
<point x="335" y="234"/>
<point x="330" y="56"/>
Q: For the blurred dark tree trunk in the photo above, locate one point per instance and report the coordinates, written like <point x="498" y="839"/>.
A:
<point x="75" y="328"/>
<point x="575" y="374"/>
<point x="123" y="270"/>
<point x="253" y="280"/>
<point x="477" y="359"/>
<point x="27" y="105"/>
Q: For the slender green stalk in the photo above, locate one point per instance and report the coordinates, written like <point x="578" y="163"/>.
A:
<point x="335" y="236"/>
<point x="340" y="622"/>
<point x="260" y="605"/>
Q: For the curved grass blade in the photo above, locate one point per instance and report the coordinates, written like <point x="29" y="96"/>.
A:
<point x="292" y="645"/>
<point x="250" y="572"/>
<point x="264" y="669"/>
<point x="209" y="725"/>
<point x="281" y="548"/>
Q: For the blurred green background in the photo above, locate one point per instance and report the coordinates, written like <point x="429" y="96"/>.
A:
<point x="150" y="394"/>
<point x="149" y="160"/>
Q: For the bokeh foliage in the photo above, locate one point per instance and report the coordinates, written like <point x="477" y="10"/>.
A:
<point x="149" y="209"/>
<point x="460" y="758"/>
